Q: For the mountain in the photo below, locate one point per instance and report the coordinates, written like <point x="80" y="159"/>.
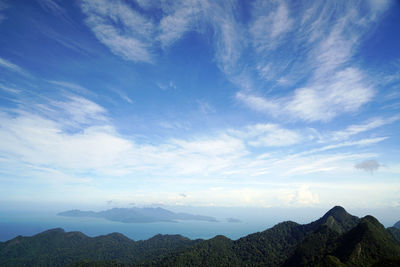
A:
<point x="397" y="225"/>
<point x="336" y="239"/>
<point x="138" y="215"/>
<point x="395" y="233"/>
<point x="366" y="244"/>
<point x="271" y="247"/>
<point x="336" y="219"/>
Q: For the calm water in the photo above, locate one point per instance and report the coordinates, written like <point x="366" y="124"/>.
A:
<point x="27" y="223"/>
<point x="12" y="225"/>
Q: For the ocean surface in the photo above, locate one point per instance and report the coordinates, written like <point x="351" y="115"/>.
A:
<point x="14" y="222"/>
<point x="28" y="224"/>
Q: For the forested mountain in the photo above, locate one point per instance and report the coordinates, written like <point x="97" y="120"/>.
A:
<point x="59" y="248"/>
<point x="336" y="239"/>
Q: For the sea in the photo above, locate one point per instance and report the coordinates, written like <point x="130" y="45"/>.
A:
<point x="13" y="224"/>
<point x="27" y="223"/>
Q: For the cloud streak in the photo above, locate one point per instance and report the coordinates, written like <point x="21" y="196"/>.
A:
<point x="13" y="67"/>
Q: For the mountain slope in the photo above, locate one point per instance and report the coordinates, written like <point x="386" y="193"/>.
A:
<point x="271" y="247"/>
<point x="397" y="225"/>
<point x="367" y="244"/>
<point x="274" y="246"/>
<point x="395" y="233"/>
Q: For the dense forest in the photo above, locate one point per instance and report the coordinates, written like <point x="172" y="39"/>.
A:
<point x="336" y="239"/>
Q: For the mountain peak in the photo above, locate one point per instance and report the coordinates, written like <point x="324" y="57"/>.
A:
<point x="336" y="210"/>
<point x="54" y="230"/>
<point x="336" y="219"/>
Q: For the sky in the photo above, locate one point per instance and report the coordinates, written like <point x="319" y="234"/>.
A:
<point x="200" y="103"/>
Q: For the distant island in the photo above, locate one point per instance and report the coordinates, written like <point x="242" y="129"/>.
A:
<point x="138" y="215"/>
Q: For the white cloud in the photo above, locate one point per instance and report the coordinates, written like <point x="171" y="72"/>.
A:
<point x="228" y="35"/>
<point x="123" y="96"/>
<point x="333" y="51"/>
<point x="222" y="145"/>
<point x="301" y="197"/>
<point x="130" y="39"/>
<point x="182" y="16"/>
<point x="9" y="89"/>
<point x="281" y="21"/>
<point x="42" y="142"/>
<point x="360" y="128"/>
<point x="258" y="103"/>
<point x="75" y="87"/>
<point x="42" y="147"/>
<point x="378" y="7"/>
<point x="269" y="135"/>
<point x="12" y="67"/>
<point x="79" y="110"/>
<point x="323" y="39"/>
<point x="72" y="145"/>
<point x="269" y="25"/>
<point x="344" y="93"/>
<point x="362" y="142"/>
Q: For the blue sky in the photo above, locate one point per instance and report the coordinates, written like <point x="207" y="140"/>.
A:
<point x="198" y="102"/>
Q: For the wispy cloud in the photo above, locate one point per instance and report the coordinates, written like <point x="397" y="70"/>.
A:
<point x="80" y="110"/>
<point x="361" y="142"/>
<point x="181" y="16"/>
<point x="40" y="141"/>
<point x="54" y="7"/>
<point x="268" y="135"/>
<point x="271" y="21"/>
<point x="167" y="86"/>
<point x="343" y="93"/>
<point x="13" y="67"/>
<point x="74" y="87"/>
<point x="131" y="39"/>
<point x="3" y="6"/>
<point x="44" y="137"/>
<point x="9" y="89"/>
<point x="123" y="96"/>
<point x="323" y="39"/>
<point x="360" y="128"/>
